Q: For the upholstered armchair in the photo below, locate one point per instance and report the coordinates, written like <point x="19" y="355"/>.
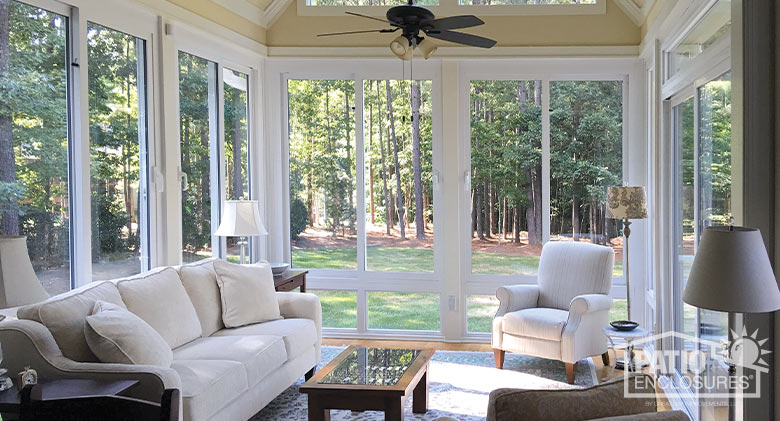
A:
<point x="561" y="317"/>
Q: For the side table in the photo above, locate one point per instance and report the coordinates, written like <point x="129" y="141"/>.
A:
<point x="628" y="362"/>
<point x="291" y="279"/>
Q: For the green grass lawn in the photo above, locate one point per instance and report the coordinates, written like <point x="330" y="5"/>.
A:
<point x="398" y="259"/>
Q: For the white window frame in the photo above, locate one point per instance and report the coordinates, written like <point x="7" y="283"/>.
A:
<point x="199" y="43"/>
<point x="452" y="7"/>
<point x="360" y="280"/>
<point x="628" y="71"/>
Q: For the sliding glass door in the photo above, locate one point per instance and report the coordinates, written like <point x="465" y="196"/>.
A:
<point x="119" y="152"/>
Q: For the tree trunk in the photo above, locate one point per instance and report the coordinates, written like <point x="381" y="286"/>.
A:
<point x="575" y="217"/>
<point x="516" y="238"/>
<point x="418" y="199"/>
<point x="347" y="125"/>
<point x="9" y="209"/>
<point x="205" y="181"/>
<point x="473" y="211"/>
<point x="395" y="158"/>
<point x="385" y="191"/>
<point x="238" y="185"/>
<point x="370" y="159"/>
<point x="505" y="230"/>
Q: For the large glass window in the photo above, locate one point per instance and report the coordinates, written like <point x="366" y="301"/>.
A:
<point x="399" y="173"/>
<point x="323" y="188"/>
<point x="713" y="26"/>
<point x="34" y="177"/>
<point x="524" y="2"/>
<point x="586" y="157"/>
<point x="506" y="176"/>
<point x="118" y="148"/>
<point x="198" y="128"/>
<point x="236" y="89"/>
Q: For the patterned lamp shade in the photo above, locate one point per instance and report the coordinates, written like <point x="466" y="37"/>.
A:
<point x="626" y="202"/>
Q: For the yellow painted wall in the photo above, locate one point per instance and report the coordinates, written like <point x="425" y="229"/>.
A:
<point x="612" y="28"/>
<point x="224" y="17"/>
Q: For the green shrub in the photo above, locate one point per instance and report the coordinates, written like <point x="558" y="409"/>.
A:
<point x="299" y="218"/>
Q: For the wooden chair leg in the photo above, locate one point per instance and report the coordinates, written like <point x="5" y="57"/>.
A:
<point x="605" y="359"/>
<point x="499" y="355"/>
<point x="570" y="370"/>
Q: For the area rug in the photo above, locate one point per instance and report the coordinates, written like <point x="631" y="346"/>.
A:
<point x="459" y="385"/>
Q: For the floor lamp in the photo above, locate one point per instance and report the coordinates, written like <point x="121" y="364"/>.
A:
<point x="732" y="273"/>
<point x="241" y="218"/>
<point x="626" y="203"/>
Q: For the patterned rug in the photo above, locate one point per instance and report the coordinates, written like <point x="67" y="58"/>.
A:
<point x="459" y="385"/>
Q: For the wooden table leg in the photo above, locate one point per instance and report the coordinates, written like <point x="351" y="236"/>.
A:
<point x="316" y="411"/>
<point x="420" y="395"/>
<point x="394" y="409"/>
<point x="303" y="283"/>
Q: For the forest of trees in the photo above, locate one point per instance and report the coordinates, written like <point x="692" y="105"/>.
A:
<point x="506" y="159"/>
<point x="398" y="159"/>
<point x="33" y="132"/>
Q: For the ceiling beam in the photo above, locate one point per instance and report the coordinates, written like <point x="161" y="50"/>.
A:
<point x="636" y="13"/>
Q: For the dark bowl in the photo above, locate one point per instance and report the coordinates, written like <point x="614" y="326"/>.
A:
<point x="624" y="325"/>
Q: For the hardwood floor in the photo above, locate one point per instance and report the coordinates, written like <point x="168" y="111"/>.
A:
<point x="603" y="372"/>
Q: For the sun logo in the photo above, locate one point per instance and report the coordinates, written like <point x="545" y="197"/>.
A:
<point x="745" y="350"/>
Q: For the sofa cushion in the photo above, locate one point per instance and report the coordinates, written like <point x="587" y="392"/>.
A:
<point x="200" y="282"/>
<point x="542" y="323"/>
<point x="159" y="298"/>
<point x="298" y="334"/>
<point x="65" y="316"/>
<point x="116" y="335"/>
<point x="208" y="385"/>
<point x="247" y="292"/>
<point x="259" y="354"/>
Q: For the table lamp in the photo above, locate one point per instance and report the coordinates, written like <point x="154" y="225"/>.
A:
<point x="241" y="218"/>
<point x="18" y="283"/>
<point x="626" y="203"/>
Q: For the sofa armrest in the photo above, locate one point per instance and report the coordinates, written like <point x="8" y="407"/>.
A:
<point x="301" y="306"/>
<point x="516" y="297"/>
<point x="589" y="303"/>
<point x="28" y="343"/>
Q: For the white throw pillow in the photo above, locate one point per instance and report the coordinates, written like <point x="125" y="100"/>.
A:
<point x="248" y="294"/>
<point x="116" y="335"/>
<point x="200" y="281"/>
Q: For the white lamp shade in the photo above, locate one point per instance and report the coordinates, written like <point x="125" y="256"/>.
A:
<point x="626" y="202"/>
<point x="18" y="283"/>
<point x="731" y="272"/>
<point x="241" y="218"/>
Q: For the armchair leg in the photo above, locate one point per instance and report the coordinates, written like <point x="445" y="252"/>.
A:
<point x="570" y="370"/>
<point x="499" y="355"/>
<point x="605" y="359"/>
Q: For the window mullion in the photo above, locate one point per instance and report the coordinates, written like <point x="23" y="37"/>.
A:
<point x="215" y="149"/>
<point x="545" y="160"/>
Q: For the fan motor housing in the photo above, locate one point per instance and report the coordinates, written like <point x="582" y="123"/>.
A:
<point x="410" y="18"/>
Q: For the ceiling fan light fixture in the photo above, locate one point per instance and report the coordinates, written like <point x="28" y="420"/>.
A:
<point x="427" y="48"/>
<point x="401" y="48"/>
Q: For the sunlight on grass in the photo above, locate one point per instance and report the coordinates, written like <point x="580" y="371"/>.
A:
<point x="339" y="308"/>
<point x="403" y="310"/>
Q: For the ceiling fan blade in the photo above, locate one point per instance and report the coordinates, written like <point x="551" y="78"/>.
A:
<point x="367" y="17"/>
<point x="357" y="32"/>
<point x="456" y="22"/>
<point x="461" y="38"/>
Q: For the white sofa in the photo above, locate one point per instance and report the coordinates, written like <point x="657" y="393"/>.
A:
<point x="561" y="317"/>
<point x="225" y="374"/>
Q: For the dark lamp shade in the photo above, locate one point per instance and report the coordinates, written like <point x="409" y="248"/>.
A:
<point x="731" y="272"/>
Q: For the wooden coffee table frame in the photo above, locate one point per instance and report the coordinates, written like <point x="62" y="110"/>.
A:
<point x="356" y="397"/>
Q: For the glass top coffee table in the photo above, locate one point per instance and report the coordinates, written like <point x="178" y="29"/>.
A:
<point x="363" y="379"/>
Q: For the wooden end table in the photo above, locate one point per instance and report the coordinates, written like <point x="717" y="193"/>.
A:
<point x="364" y="379"/>
<point x="10" y="399"/>
<point x="291" y="279"/>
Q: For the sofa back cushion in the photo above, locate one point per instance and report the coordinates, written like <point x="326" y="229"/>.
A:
<point x="200" y="282"/>
<point x="116" y="335"/>
<point x="65" y="315"/>
<point x="247" y="292"/>
<point x="159" y="299"/>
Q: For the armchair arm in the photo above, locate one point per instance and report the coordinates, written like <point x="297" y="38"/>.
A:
<point x="516" y="297"/>
<point x="590" y="303"/>
<point x="29" y="343"/>
<point x="582" y="336"/>
<point x="301" y="306"/>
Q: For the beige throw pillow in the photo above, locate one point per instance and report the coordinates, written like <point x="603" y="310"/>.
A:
<point x="116" y="335"/>
<point x="247" y="292"/>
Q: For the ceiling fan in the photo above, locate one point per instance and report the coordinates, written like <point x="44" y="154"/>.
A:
<point x="412" y="19"/>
